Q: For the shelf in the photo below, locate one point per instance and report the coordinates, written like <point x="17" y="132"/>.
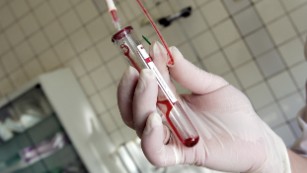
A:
<point x="23" y="165"/>
<point x="26" y="131"/>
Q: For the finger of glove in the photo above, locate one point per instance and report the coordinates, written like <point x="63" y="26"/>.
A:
<point x="153" y="145"/>
<point x="193" y="78"/>
<point x="144" y="99"/>
<point x="125" y="92"/>
<point x="160" y="58"/>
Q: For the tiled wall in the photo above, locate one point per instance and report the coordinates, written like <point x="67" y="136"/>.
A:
<point x="256" y="45"/>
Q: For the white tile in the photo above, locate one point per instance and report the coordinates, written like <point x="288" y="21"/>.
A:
<point x="285" y="133"/>
<point x="256" y="1"/>
<point x="74" y="2"/>
<point x="19" y="7"/>
<point x="236" y="6"/>
<point x="39" y="42"/>
<point x="128" y="133"/>
<point x="34" y="3"/>
<point x="291" y="105"/>
<point x="260" y="95"/>
<point x="6" y="86"/>
<point x="33" y="69"/>
<point x="117" y="138"/>
<point x="193" y="24"/>
<point x="296" y="128"/>
<point x="2" y="71"/>
<point x="282" y="84"/>
<point x="259" y="42"/>
<point x="49" y="60"/>
<point x="6" y="16"/>
<point x="304" y="93"/>
<point x="178" y="6"/>
<point x="18" y="78"/>
<point x="232" y="79"/>
<point x="299" y="74"/>
<point x="107" y="49"/>
<point x="214" y="12"/>
<point x="281" y="30"/>
<point x="126" y="10"/>
<point x="76" y="66"/>
<point x="64" y="50"/>
<point x="270" y="63"/>
<point x="201" y="2"/>
<point x="269" y="10"/>
<point x="101" y="77"/>
<point x="14" y="34"/>
<point x="80" y="40"/>
<point x="247" y="20"/>
<point x="44" y="14"/>
<point x="304" y="37"/>
<point x="91" y="59"/>
<point x="29" y="24"/>
<point x="290" y="5"/>
<point x="87" y="85"/>
<point x="117" y="117"/>
<point x="205" y="44"/>
<point x="10" y="62"/>
<point x="108" y="122"/>
<point x="216" y="64"/>
<point x="60" y="6"/>
<point x="272" y="115"/>
<point x="97" y="29"/>
<point x="292" y="52"/>
<point x="136" y="9"/>
<point x="117" y="67"/>
<point x="4" y="45"/>
<point x="86" y="10"/>
<point x="226" y="32"/>
<point x="54" y="32"/>
<point x="173" y="34"/>
<point x="97" y="103"/>
<point x="24" y="52"/>
<point x="188" y="52"/>
<point x="109" y="96"/>
<point x="249" y="74"/>
<point x="298" y="17"/>
<point x="70" y="21"/>
<point x="237" y="53"/>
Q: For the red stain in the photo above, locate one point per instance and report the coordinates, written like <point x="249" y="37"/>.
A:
<point x="189" y="142"/>
<point x="126" y="52"/>
<point x="169" y="106"/>
<point x="114" y="15"/>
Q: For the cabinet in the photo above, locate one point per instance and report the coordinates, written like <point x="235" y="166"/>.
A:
<point x="48" y="126"/>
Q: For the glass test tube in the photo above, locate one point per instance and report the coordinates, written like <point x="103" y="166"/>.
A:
<point x="174" y="113"/>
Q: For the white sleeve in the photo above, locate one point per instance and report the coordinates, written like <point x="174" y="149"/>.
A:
<point x="300" y="146"/>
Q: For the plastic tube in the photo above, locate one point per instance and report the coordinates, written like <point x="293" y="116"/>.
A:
<point x="176" y="116"/>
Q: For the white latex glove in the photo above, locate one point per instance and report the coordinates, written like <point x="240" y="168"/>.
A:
<point x="232" y="136"/>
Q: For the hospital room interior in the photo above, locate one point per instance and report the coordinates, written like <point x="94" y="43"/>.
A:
<point x="61" y="64"/>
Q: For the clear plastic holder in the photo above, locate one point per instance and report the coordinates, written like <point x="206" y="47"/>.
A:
<point x="173" y="110"/>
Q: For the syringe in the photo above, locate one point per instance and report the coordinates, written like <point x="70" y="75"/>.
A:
<point x="175" y="115"/>
<point x="113" y="12"/>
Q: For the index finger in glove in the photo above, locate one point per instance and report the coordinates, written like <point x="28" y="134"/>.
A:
<point x="144" y="99"/>
<point x="125" y="92"/>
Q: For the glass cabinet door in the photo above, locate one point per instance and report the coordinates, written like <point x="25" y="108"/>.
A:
<point x="32" y="139"/>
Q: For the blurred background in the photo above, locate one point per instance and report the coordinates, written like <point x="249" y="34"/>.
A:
<point x="257" y="45"/>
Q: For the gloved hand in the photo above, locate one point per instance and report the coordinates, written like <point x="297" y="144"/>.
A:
<point x="232" y="136"/>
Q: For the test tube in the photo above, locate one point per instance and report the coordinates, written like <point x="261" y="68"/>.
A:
<point x="173" y="110"/>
